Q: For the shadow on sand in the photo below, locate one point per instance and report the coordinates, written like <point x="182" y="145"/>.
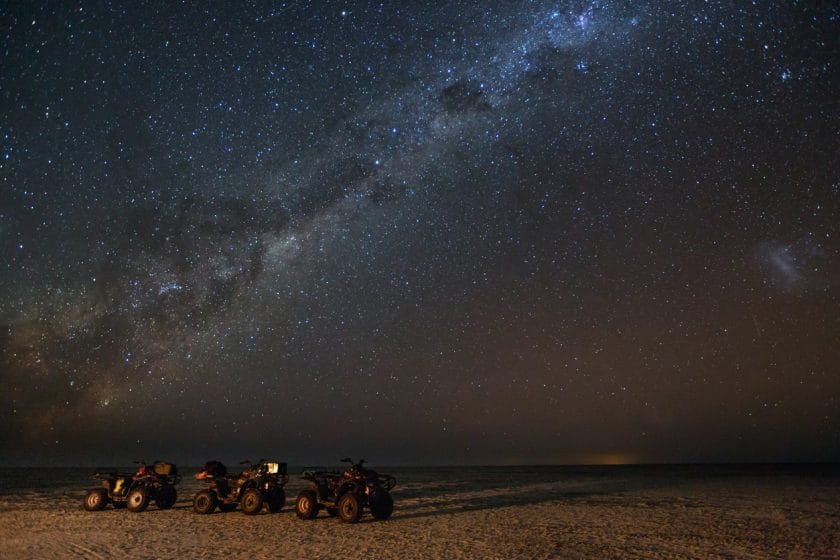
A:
<point x="517" y="495"/>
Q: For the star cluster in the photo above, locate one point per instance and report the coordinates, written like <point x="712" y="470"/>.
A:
<point x="489" y="231"/>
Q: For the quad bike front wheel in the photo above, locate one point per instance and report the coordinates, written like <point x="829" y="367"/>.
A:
<point x="166" y="497"/>
<point x="204" y="502"/>
<point x="306" y="506"/>
<point x="381" y="504"/>
<point x="96" y="499"/>
<point x="138" y="499"/>
<point x="349" y="508"/>
<point x="251" y="501"/>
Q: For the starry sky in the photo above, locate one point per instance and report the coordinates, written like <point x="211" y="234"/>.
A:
<point x="440" y="232"/>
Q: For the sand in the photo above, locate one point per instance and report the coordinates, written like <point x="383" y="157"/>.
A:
<point x="615" y="514"/>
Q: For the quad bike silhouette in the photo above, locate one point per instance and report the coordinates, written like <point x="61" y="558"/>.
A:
<point x="135" y="490"/>
<point x="346" y="494"/>
<point x="258" y="485"/>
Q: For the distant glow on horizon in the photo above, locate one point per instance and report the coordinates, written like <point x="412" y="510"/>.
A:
<point x="608" y="459"/>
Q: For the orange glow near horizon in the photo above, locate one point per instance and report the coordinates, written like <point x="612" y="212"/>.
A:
<point x="608" y="459"/>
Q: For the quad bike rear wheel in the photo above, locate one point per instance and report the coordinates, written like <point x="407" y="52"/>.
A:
<point x="349" y="508"/>
<point x="306" y="506"/>
<point x="138" y="499"/>
<point x="276" y="499"/>
<point x="251" y="501"/>
<point x="204" y="502"/>
<point x="166" y="497"/>
<point x="381" y="504"/>
<point x="96" y="499"/>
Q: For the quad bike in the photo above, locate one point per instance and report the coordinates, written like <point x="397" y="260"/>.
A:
<point x="135" y="490"/>
<point x="346" y="494"/>
<point x="259" y="484"/>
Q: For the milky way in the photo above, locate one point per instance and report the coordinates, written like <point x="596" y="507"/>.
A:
<point x="492" y="232"/>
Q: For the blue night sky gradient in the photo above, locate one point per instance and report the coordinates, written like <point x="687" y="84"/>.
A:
<point x="489" y="232"/>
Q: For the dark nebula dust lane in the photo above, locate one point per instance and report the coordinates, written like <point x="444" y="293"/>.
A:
<point x="496" y="232"/>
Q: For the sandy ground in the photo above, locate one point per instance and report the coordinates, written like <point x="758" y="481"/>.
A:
<point x="607" y="517"/>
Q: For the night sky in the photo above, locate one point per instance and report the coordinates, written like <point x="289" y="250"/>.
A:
<point x="453" y="232"/>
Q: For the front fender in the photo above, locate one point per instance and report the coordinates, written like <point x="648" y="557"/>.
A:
<point x="248" y="484"/>
<point x="346" y="487"/>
